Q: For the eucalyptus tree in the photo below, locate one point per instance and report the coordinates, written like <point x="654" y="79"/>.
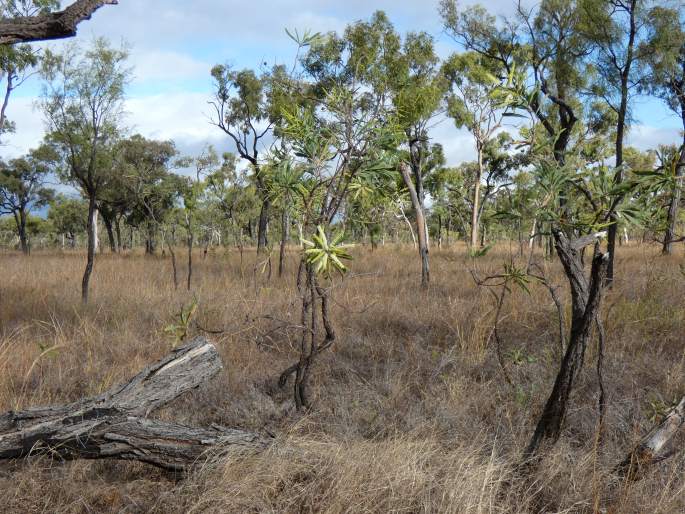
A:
<point x="665" y="55"/>
<point x="417" y="87"/>
<point x="234" y="195"/>
<point x="472" y="104"/>
<point x="193" y="195"/>
<point x="69" y="216"/>
<point x="616" y="29"/>
<point x="246" y="106"/>
<point x="23" y="187"/>
<point x="140" y="187"/>
<point x="285" y="185"/>
<point x="82" y="102"/>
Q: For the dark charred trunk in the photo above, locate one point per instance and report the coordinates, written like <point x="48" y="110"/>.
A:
<point x="107" y="221"/>
<point x="85" y="283"/>
<point x="586" y="298"/>
<point x="285" y="234"/>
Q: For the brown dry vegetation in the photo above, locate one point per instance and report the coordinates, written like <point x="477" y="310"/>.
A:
<point x="411" y="413"/>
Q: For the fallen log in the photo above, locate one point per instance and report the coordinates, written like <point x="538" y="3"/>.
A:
<point x="115" y="425"/>
<point x="650" y="450"/>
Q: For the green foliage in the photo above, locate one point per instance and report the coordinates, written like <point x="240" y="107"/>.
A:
<point x="179" y="329"/>
<point x="326" y="256"/>
<point x="68" y="215"/>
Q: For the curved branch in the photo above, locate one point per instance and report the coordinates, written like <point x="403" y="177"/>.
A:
<point x="57" y="25"/>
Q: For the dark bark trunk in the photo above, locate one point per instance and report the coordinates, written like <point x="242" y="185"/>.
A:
<point x="285" y="234"/>
<point x="21" y="229"/>
<point x="190" y="256"/>
<point x="91" y="248"/>
<point x="116" y="424"/>
<point x="620" y="135"/>
<point x="107" y="221"/>
<point x="585" y="303"/>
<point x="117" y="225"/>
<point x="262" y="240"/>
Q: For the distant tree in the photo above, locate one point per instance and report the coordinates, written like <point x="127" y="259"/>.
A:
<point x="472" y="104"/>
<point x="23" y="188"/>
<point x="82" y="102"/>
<point x="616" y="30"/>
<point x="234" y="195"/>
<point x="665" y="55"/>
<point x="140" y="187"/>
<point x="69" y="216"/>
<point x="245" y="112"/>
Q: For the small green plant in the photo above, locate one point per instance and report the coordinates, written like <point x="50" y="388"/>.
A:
<point x="325" y="256"/>
<point x="657" y="409"/>
<point x="475" y="253"/>
<point x="518" y="357"/>
<point x="179" y="329"/>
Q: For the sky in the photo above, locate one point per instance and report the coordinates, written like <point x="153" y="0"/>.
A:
<point x="174" y="44"/>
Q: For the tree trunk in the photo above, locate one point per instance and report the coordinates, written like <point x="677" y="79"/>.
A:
<point x="674" y="204"/>
<point x="21" y="229"/>
<point x="285" y="233"/>
<point x="420" y="224"/>
<point x="96" y="236"/>
<point x="110" y="233"/>
<point x="117" y="225"/>
<point x="620" y="135"/>
<point x="262" y="228"/>
<point x="116" y="424"/>
<point x="190" y="256"/>
<point x="476" y="200"/>
<point x="91" y="247"/>
<point x="585" y="303"/>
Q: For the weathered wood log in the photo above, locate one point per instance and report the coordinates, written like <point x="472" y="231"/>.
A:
<point x="114" y="424"/>
<point x="650" y="449"/>
<point x="55" y="25"/>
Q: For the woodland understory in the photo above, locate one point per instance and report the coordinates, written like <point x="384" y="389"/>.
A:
<point x="410" y="408"/>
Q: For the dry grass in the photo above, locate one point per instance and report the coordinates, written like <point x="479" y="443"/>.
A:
<point x="411" y="413"/>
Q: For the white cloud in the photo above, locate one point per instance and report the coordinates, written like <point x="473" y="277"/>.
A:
<point x="645" y="137"/>
<point x="161" y="65"/>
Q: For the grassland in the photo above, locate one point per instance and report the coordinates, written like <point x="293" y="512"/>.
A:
<point x="411" y="411"/>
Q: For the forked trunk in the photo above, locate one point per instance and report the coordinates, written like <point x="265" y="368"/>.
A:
<point x="586" y="299"/>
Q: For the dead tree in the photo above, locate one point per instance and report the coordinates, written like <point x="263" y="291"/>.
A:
<point x="115" y="424"/>
<point x="650" y="449"/>
<point x="586" y="295"/>
<point x="57" y="25"/>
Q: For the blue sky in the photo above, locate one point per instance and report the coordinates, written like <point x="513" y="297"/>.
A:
<point x="174" y="44"/>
